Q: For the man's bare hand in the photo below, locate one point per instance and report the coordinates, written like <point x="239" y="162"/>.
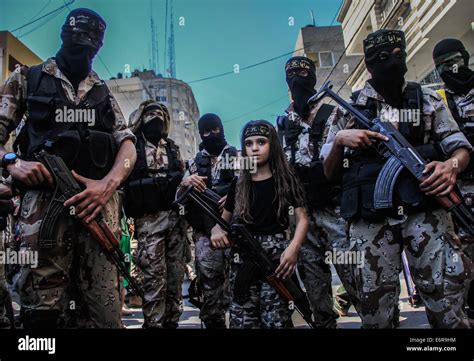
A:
<point x="219" y="238"/>
<point x="91" y="200"/>
<point x="198" y="182"/>
<point x="30" y="173"/>
<point x="442" y="179"/>
<point x="358" y="138"/>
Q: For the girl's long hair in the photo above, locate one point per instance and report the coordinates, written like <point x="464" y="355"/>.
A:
<point x="287" y="186"/>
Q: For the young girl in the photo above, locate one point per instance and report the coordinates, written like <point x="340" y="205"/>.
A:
<point x="263" y="201"/>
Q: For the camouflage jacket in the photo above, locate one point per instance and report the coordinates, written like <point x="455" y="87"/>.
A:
<point x="304" y="145"/>
<point x="14" y="92"/>
<point x="439" y="125"/>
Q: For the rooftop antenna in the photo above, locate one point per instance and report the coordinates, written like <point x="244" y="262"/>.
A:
<point x="171" y="54"/>
<point x="154" y="60"/>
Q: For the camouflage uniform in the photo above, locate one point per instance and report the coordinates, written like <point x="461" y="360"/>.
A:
<point x="327" y="232"/>
<point x="161" y="253"/>
<point x="465" y="109"/>
<point x="438" y="266"/>
<point x="264" y="308"/>
<point x="4" y="321"/>
<point x="211" y="265"/>
<point x="76" y="258"/>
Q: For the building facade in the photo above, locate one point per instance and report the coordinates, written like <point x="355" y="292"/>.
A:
<point x="325" y="46"/>
<point x="175" y="94"/>
<point x="425" y="22"/>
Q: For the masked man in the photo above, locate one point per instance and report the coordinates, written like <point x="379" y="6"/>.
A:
<point x="208" y="170"/>
<point x="97" y="150"/>
<point x="416" y="222"/>
<point x="303" y="130"/>
<point x="150" y="192"/>
<point x="452" y="62"/>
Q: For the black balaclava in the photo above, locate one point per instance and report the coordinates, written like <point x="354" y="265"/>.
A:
<point x="82" y="35"/>
<point x="459" y="79"/>
<point x="154" y="126"/>
<point x="302" y="88"/>
<point x="387" y="69"/>
<point x="213" y="143"/>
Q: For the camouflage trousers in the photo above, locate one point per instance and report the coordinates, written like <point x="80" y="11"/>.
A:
<point x="4" y="321"/>
<point x="212" y="272"/>
<point x="467" y="190"/>
<point x="161" y="258"/>
<point x="73" y="277"/>
<point x="327" y="232"/>
<point x="438" y="266"/>
<point x="264" y="308"/>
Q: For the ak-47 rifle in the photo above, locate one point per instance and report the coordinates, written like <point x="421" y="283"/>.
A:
<point x="400" y="154"/>
<point x="66" y="187"/>
<point x="288" y="289"/>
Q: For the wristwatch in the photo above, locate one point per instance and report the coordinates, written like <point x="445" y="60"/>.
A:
<point x="8" y="158"/>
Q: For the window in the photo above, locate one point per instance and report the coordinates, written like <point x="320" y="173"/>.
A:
<point x="160" y="98"/>
<point x="326" y="59"/>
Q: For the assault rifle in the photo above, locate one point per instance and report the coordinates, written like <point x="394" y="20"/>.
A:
<point x="66" y="187"/>
<point x="288" y="289"/>
<point x="399" y="155"/>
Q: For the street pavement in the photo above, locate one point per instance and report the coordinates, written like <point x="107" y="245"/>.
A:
<point x="409" y="317"/>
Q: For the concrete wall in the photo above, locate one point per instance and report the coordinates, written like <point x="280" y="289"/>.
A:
<point x="321" y="39"/>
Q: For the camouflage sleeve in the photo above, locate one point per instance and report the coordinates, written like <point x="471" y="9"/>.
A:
<point x="120" y="130"/>
<point x="444" y="128"/>
<point x="13" y="102"/>
<point x="337" y="121"/>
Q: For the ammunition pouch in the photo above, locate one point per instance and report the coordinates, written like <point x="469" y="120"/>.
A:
<point x="151" y="195"/>
<point x="90" y="153"/>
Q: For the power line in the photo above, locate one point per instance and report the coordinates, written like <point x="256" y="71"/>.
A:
<point x="43" y="16"/>
<point x="47" y="20"/>
<point x="42" y="9"/>
<point x="245" y="67"/>
<point x="263" y="62"/>
<point x="256" y="110"/>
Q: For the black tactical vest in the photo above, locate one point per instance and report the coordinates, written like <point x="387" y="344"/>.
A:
<point x="203" y="164"/>
<point x="204" y="169"/>
<point x="150" y="194"/>
<point x="87" y="148"/>
<point x="364" y="166"/>
<point x="319" y="191"/>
